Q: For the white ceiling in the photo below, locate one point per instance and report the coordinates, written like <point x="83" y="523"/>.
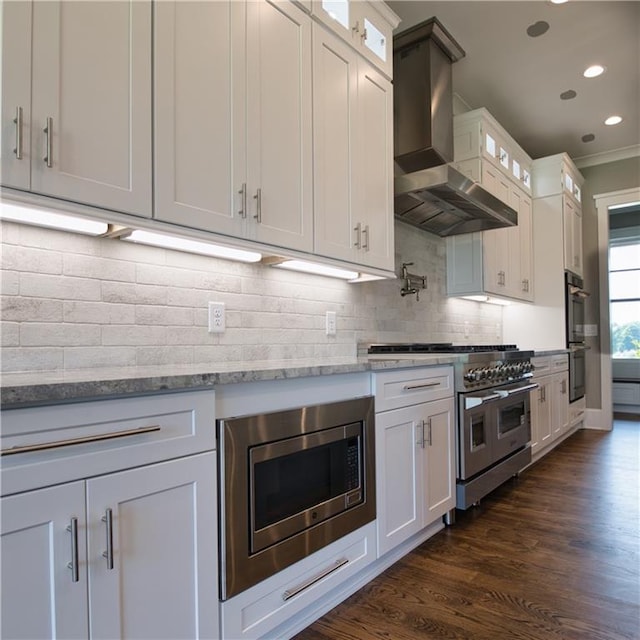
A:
<point x="519" y="79"/>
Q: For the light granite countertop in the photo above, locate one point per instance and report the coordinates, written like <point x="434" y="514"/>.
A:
<point x="53" y="387"/>
<point x="550" y="352"/>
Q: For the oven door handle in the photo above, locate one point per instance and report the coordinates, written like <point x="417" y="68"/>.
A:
<point x="474" y="401"/>
<point x="512" y="392"/>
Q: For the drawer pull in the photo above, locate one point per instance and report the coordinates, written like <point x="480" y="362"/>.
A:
<point x="27" y="448"/>
<point x="424" y="385"/>
<point x="107" y="518"/>
<point x="289" y="593"/>
<point x="73" y="565"/>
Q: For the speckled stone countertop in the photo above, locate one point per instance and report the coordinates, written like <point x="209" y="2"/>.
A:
<point x="52" y="387"/>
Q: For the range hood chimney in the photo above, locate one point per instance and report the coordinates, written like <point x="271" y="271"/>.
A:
<point x="429" y="193"/>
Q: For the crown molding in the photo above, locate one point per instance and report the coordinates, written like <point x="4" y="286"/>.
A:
<point x="607" y="156"/>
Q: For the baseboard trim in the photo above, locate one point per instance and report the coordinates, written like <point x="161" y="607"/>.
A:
<point x="597" y="419"/>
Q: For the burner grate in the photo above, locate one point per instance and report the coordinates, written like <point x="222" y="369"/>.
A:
<point x="439" y="347"/>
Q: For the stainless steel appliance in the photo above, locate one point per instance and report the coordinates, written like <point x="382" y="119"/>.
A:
<point x="291" y="482"/>
<point x="492" y="384"/>
<point x="429" y="193"/>
<point x="575" y="297"/>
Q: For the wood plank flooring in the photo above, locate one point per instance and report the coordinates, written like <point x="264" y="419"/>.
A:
<point x="552" y="555"/>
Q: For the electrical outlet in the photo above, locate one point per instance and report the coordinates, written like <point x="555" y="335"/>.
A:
<point x="331" y="323"/>
<point x="217" y="321"/>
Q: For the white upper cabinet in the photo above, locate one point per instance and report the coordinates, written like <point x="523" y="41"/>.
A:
<point x="15" y="146"/>
<point x="496" y="262"/>
<point x="279" y="125"/>
<point x="558" y="181"/>
<point x="233" y="127"/>
<point x="353" y="120"/>
<point x="200" y="113"/>
<point x="366" y="26"/>
<point x="87" y="134"/>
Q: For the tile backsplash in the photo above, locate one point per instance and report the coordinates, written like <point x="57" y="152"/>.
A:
<point x="74" y="302"/>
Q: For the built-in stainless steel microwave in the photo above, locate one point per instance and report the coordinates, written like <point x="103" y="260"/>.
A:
<point x="292" y="482"/>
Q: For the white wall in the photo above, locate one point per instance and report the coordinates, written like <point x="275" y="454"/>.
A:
<point x="72" y="302"/>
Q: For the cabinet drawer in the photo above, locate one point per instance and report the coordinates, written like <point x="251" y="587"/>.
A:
<point x="560" y="362"/>
<point x="256" y="612"/>
<point x="405" y="387"/>
<point x="60" y="443"/>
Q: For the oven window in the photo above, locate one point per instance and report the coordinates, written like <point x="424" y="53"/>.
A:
<point x="478" y="432"/>
<point x="511" y="417"/>
<point x="291" y="484"/>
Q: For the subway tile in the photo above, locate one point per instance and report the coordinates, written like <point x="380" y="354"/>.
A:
<point x="98" y="312"/>
<point x="59" y="287"/>
<point x="96" y="357"/>
<point x="22" y="309"/>
<point x="163" y="315"/>
<point x="32" y="359"/>
<point x="9" y="334"/>
<point x="99" y="268"/>
<point x="133" y="335"/>
<point x="28" y="259"/>
<point x="33" y="334"/>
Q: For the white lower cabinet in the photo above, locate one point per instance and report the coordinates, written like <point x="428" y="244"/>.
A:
<point x="264" y="611"/>
<point x="141" y="542"/>
<point x="126" y="554"/>
<point x="550" y="418"/>
<point x="415" y="456"/>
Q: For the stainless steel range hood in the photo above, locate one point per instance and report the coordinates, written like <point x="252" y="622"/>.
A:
<point x="429" y="193"/>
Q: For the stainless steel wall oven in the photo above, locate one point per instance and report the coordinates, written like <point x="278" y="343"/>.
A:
<point x="575" y="297"/>
<point x="292" y="482"/>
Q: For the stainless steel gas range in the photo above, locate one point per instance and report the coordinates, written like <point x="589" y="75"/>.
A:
<point x="493" y="417"/>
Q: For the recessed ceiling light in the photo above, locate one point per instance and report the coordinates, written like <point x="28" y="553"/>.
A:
<point x="558" y="1"/>
<point x="569" y="94"/>
<point x="594" y="71"/>
<point x="613" y="120"/>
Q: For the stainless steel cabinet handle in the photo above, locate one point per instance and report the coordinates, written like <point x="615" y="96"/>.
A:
<point x="73" y="565"/>
<point x="258" y="199"/>
<point x="289" y="593"/>
<point x="422" y="385"/>
<point x="365" y="236"/>
<point x="243" y="200"/>
<point x="107" y="518"/>
<point x="18" y="122"/>
<point x="563" y="386"/>
<point x="48" y="133"/>
<point x="421" y="436"/>
<point x="357" y="243"/>
<point x="363" y="35"/>
<point x="525" y="285"/>
<point x="27" y="448"/>
<point x="430" y="439"/>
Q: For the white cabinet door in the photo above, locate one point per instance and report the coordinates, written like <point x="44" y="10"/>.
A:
<point x="398" y="472"/>
<point x="161" y="581"/>
<point x="15" y="137"/>
<point x="415" y="469"/>
<point x="440" y="477"/>
<point x="541" y="415"/>
<point x="572" y="219"/>
<point x="352" y="156"/>
<point x="524" y="284"/>
<point x="91" y="103"/>
<point x="41" y="596"/>
<point x="335" y="95"/>
<point x="279" y="125"/>
<point x="374" y="161"/>
<point x="200" y="113"/>
<point x="560" y="403"/>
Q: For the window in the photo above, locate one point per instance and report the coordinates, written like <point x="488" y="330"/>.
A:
<point x="624" y="293"/>
<point x="338" y="10"/>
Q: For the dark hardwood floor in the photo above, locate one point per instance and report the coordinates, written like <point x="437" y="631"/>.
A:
<point x="552" y="555"/>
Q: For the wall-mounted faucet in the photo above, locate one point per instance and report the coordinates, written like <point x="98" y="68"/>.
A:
<point x="412" y="283"/>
